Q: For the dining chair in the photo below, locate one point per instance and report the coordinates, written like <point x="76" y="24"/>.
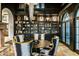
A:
<point x="48" y="37"/>
<point x="53" y="51"/>
<point x="22" y="49"/>
<point x="35" y="51"/>
<point x="45" y="50"/>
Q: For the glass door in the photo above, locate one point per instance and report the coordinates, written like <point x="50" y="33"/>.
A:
<point x="66" y="29"/>
<point x="77" y="35"/>
<point x="68" y="32"/>
<point x="63" y="32"/>
<point x="77" y="31"/>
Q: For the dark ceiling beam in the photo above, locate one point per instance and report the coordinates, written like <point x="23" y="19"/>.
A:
<point x="65" y="8"/>
<point x="63" y="4"/>
<point x="54" y="7"/>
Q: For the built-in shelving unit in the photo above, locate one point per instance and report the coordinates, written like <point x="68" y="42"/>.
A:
<point x="34" y="27"/>
<point x="23" y="25"/>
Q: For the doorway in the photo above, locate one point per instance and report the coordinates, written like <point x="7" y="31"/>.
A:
<point x="7" y="17"/>
<point x="66" y="29"/>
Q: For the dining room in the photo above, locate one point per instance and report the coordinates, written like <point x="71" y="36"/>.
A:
<point x="39" y="29"/>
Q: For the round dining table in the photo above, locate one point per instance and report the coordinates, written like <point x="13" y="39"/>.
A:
<point x="42" y="44"/>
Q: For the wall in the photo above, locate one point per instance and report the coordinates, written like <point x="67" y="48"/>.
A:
<point x="71" y="10"/>
<point x="11" y="9"/>
<point x="10" y="24"/>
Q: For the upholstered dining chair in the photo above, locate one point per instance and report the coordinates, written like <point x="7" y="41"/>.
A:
<point x="53" y="51"/>
<point x="21" y="47"/>
<point x="35" y="51"/>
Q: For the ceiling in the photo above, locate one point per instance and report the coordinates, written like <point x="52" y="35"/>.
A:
<point x="54" y="8"/>
<point x="50" y="8"/>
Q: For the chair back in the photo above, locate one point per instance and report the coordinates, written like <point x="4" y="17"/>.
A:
<point x="54" y="49"/>
<point x="48" y="37"/>
<point x="36" y="36"/>
<point x="42" y="36"/>
<point x="21" y="38"/>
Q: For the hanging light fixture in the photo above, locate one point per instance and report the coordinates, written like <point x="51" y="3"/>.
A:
<point x="25" y="16"/>
<point x="31" y="11"/>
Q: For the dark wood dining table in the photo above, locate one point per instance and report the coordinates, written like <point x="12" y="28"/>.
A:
<point x="42" y="44"/>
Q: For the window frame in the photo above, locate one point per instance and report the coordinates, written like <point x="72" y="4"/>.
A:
<point x="66" y="19"/>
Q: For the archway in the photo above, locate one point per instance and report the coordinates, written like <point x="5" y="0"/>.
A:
<point x="7" y="17"/>
<point x="66" y="29"/>
<point x="77" y="31"/>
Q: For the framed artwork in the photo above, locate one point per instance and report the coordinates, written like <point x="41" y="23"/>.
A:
<point x="41" y="18"/>
<point x="5" y="18"/>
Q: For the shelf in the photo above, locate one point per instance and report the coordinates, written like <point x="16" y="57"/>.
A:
<point x="26" y="27"/>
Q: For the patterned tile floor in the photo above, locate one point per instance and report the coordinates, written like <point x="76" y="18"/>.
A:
<point x="65" y="51"/>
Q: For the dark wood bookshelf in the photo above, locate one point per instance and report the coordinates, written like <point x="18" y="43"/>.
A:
<point x="36" y="26"/>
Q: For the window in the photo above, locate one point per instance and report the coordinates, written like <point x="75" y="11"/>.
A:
<point x="37" y="6"/>
<point x="40" y="6"/>
<point x="66" y="29"/>
<point x="77" y="30"/>
<point x="63" y="32"/>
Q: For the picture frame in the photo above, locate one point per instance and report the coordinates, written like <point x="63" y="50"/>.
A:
<point x="5" y="18"/>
